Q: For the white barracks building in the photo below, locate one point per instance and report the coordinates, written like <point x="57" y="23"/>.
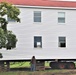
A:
<point x="47" y="30"/>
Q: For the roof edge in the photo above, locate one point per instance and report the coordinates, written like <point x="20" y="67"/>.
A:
<point x="45" y="7"/>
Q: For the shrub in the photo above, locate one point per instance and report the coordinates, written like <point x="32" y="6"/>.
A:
<point x="1" y="55"/>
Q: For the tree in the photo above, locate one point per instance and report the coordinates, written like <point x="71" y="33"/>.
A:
<point x="2" y="38"/>
<point x="7" y="38"/>
<point x="11" y="40"/>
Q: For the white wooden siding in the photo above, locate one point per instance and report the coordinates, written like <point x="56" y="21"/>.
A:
<point x="49" y="29"/>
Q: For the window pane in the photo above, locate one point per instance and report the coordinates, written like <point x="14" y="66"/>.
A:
<point x="37" y="13"/>
<point x="37" y="19"/>
<point x="62" y="42"/>
<point x="61" y="38"/>
<point x="61" y="20"/>
<point x="61" y="17"/>
<point x="37" y="16"/>
<point x="61" y="14"/>
<point x="37" y="41"/>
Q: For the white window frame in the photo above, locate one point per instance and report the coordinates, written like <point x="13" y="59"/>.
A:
<point x="37" y="43"/>
<point x="37" y="16"/>
<point x="61" y="17"/>
<point x="62" y="41"/>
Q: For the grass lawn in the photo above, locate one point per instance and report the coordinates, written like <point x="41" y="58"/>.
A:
<point x="23" y="64"/>
<point x="19" y="64"/>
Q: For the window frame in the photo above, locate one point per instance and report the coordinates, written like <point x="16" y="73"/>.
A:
<point x="37" y="17"/>
<point x="61" y="18"/>
<point x="62" y="42"/>
<point x="37" y="39"/>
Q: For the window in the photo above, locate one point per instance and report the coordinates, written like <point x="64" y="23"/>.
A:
<point x="37" y="42"/>
<point x="61" y="17"/>
<point x="37" y="16"/>
<point x="62" y="41"/>
<point x="10" y="20"/>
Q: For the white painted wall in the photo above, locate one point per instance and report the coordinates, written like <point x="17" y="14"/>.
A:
<point x="49" y="29"/>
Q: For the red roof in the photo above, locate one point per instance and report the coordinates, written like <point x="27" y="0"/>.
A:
<point x="42" y="3"/>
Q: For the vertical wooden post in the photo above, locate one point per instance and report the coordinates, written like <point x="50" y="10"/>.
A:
<point x="40" y="65"/>
<point x="1" y="66"/>
<point x="8" y="65"/>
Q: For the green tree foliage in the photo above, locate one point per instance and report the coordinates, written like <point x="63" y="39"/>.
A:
<point x="11" y="40"/>
<point x="8" y="40"/>
<point x="11" y="11"/>
<point x="1" y="55"/>
<point x="2" y="38"/>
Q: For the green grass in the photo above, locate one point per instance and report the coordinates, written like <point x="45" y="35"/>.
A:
<point x="47" y="64"/>
<point x="19" y="64"/>
<point x="23" y="64"/>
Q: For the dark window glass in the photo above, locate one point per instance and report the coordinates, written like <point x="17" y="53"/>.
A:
<point x="37" y="41"/>
<point x="61" y="20"/>
<point x="37" y="16"/>
<point x="62" y="42"/>
<point x="61" y="17"/>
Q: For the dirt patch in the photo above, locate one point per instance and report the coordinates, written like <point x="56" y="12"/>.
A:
<point x="47" y="71"/>
<point x="67" y="72"/>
